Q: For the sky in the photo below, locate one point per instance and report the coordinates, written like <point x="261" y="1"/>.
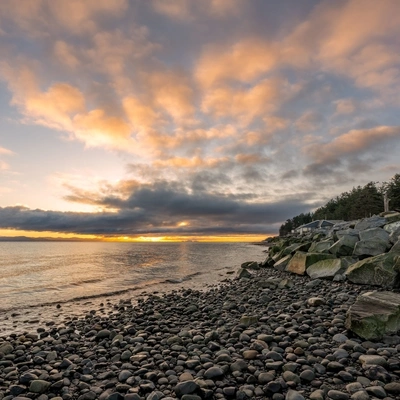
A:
<point x="188" y="119"/>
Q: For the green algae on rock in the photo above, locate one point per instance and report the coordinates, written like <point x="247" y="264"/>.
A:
<point x="374" y="314"/>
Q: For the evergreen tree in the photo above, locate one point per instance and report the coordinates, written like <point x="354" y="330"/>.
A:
<point x="393" y="189"/>
<point x="360" y="202"/>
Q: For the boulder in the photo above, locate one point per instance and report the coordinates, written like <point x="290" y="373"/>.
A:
<point x="393" y="226"/>
<point x="372" y="222"/>
<point x="375" y="234"/>
<point x="347" y="232"/>
<point x="394" y="235"/>
<point x="282" y="263"/>
<point x="396" y="248"/>
<point x="321" y="247"/>
<point x="344" y="246"/>
<point x="379" y="270"/>
<point x="250" y="265"/>
<point x="242" y="273"/>
<point x="301" y="261"/>
<point x="374" y="315"/>
<point x="327" y="268"/>
<point x="368" y="248"/>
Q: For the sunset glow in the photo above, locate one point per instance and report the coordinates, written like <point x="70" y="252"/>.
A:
<point x="186" y="120"/>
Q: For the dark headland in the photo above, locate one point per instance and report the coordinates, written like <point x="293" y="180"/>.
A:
<point x="318" y="319"/>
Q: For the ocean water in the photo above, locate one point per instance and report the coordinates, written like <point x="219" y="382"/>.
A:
<point x="43" y="273"/>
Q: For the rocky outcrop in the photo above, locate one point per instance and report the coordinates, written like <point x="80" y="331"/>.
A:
<point x="301" y="261"/>
<point x="365" y="252"/>
<point x="329" y="268"/>
<point x="369" y="245"/>
<point x="374" y="315"/>
<point x="378" y="270"/>
<point x="344" y="246"/>
<point x="373" y="222"/>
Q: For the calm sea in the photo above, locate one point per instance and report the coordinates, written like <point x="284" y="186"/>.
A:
<point x="50" y="272"/>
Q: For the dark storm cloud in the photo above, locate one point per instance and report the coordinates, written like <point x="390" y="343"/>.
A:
<point x="160" y="208"/>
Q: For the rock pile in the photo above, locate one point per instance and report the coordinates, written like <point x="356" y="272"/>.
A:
<point x="363" y="252"/>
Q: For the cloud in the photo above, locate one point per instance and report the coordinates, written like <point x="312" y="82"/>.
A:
<point x="246" y="104"/>
<point x="7" y="152"/>
<point x="4" y="166"/>
<point x="39" y="17"/>
<point x="243" y="61"/>
<point x="187" y="10"/>
<point x="156" y="208"/>
<point x="356" y="141"/>
<point x="345" y="106"/>
<point x="357" y="151"/>
<point x="309" y="121"/>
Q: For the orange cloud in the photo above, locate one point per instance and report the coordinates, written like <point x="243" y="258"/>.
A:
<point x="245" y="104"/>
<point x="353" y="38"/>
<point x="193" y="162"/>
<point x="172" y="93"/>
<point x="64" y="53"/>
<point x="251" y="159"/>
<point x="354" y="141"/>
<point x="96" y="128"/>
<point x="244" y="61"/>
<point x="187" y="10"/>
<point x="140" y="115"/>
<point x="38" y="17"/>
<point x="5" y="151"/>
<point x="63" y="107"/>
<point x="53" y="107"/>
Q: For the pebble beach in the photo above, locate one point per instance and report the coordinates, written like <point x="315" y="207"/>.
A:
<point x="271" y="336"/>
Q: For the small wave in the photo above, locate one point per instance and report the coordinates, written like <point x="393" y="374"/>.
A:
<point x="145" y="285"/>
<point x="174" y="280"/>
<point x="183" y="279"/>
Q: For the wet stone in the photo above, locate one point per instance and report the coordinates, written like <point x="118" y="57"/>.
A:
<point x="337" y="395"/>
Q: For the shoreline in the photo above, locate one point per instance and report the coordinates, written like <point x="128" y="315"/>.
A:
<point x="24" y="318"/>
<point x="237" y="339"/>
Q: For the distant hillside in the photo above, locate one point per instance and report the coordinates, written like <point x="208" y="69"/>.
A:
<point x="44" y="239"/>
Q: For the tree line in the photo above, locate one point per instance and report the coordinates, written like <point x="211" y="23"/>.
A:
<point x="360" y="202"/>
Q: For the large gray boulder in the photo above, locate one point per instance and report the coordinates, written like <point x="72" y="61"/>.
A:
<point x="368" y="248"/>
<point x="380" y="270"/>
<point x="346" y="232"/>
<point x="392" y="227"/>
<point x="282" y="263"/>
<point x="375" y="234"/>
<point x="301" y="261"/>
<point x="321" y="247"/>
<point x="374" y="315"/>
<point x="344" y="246"/>
<point x="372" y="222"/>
<point x="327" y="269"/>
<point x="395" y="236"/>
<point x="396" y="248"/>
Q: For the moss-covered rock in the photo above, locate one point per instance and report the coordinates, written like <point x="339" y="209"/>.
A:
<point x="325" y="268"/>
<point x="344" y="246"/>
<point x="374" y="315"/>
<point x="379" y="270"/>
<point x="282" y="263"/>
<point x="301" y="261"/>
<point x="321" y="247"/>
